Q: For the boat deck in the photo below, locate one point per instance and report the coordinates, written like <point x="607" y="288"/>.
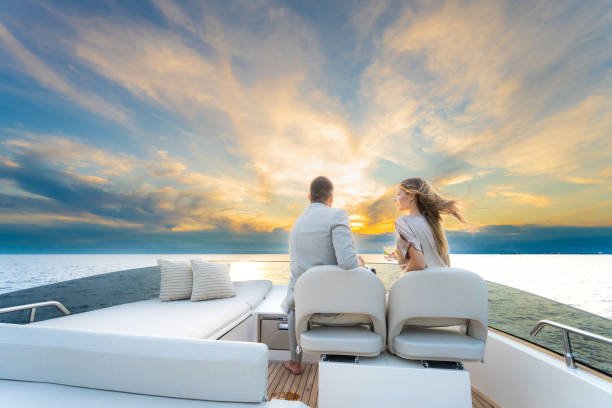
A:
<point x="282" y="384"/>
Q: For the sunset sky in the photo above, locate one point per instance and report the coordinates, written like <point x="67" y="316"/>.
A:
<point x="155" y="117"/>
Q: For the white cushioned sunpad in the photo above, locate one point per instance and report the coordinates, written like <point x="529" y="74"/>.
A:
<point x="28" y="394"/>
<point x="181" y="318"/>
<point x="178" y="368"/>
<point x="437" y="344"/>
<point x="252" y="292"/>
<point x="337" y="340"/>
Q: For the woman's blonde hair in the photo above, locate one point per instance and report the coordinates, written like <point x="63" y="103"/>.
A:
<point x="432" y="205"/>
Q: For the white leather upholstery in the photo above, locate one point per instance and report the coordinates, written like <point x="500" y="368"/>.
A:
<point x="179" y="368"/>
<point x="180" y="318"/>
<point x="331" y="289"/>
<point x="433" y="298"/>
<point x="445" y="344"/>
<point x="252" y="292"/>
<point x="343" y="340"/>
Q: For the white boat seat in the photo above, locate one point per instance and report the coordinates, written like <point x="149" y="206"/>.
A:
<point x="438" y="297"/>
<point x="342" y="340"/>
<point x="330" y="289"/>
<point x="437" y="344"/>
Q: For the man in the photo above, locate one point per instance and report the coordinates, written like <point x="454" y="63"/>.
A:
<point x="320" y="236"/>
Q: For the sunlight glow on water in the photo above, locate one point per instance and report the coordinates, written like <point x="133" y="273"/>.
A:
<point x="247" y="270"/>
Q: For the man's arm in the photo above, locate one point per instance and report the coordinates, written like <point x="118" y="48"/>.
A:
<point x="342" y="239"/>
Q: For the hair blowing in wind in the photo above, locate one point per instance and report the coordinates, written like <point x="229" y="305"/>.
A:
<point x="432" y="205"/>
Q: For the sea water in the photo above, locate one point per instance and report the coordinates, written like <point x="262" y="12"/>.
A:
<point x="581" y="281"/>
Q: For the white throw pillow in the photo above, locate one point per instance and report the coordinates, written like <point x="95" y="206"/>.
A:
<point x="211" y="281"/>
<point x="176" y="280"/>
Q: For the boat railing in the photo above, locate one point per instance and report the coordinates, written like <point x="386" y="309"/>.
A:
<point x="33" y="306"/>
<point x="567" y="345"/>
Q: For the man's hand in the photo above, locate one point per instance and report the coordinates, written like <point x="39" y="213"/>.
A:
<point x="361" y="260"/>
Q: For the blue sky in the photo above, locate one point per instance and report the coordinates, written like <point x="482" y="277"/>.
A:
<point x="157" y="118"/>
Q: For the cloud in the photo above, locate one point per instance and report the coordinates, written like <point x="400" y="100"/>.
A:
<point x="520" y="198"/>
<point x="286" y="130"/>
<point x="560" y="144"/>
<point x="166" y="167"/>
<point x="41" y="219"/>
<point x="67" y="152"/>
<point x="454" y="179"/>
<point x="253" y="109"/>
<point x="9" y="163"/>
<point x="366" y="17"/>
<point x="88" y="179"/>
<point x="53" y="80"/>
<point x="481" y="82"/>
<point x="175" y="14"/>
<point x="376" y="216"/>
<point x="584" y="180"/>
<point x="55" y="175"/>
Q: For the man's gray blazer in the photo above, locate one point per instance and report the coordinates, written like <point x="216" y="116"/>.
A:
<point x="320" y="236"/>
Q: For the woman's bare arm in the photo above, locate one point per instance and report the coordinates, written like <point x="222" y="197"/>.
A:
<point x="416" y="260"/>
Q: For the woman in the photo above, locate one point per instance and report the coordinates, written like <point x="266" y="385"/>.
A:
<point x="421" y="241"/>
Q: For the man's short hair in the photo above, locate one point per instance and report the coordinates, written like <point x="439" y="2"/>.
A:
<point x="321" y="189"/>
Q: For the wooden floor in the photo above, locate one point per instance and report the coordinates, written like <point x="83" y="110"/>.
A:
<point x="282" y="384"/>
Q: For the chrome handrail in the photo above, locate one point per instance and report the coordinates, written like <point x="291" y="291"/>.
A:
<point x="567" y="346"/>
<point x="33" y="307"/>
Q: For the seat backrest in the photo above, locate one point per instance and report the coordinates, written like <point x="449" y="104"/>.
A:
<point x="331" y="289"/>
<point x="438" y="297"/>
<point x="167" y="367"/>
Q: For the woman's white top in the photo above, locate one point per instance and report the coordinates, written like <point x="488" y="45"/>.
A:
<point x="414" y="230"/>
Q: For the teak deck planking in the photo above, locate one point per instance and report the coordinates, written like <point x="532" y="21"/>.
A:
<point x="282" y="384"/>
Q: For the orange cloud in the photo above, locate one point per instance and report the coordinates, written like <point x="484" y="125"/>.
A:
<point x="88" y="179"/>
<point x="10" y="163"/>
<point x="584" y="180"/>
<point x="454" y="179"/>
<point x="519" y="198"/>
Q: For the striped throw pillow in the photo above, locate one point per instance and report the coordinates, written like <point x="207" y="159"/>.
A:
<point x="176" y="280"/>
<point x="211" y="281"/>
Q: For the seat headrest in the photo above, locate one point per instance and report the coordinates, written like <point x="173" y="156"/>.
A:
<point x="441" y="292"/>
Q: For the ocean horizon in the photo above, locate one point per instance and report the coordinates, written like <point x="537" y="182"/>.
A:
<point x="500" y="239"/>
<point x="581" y="281"/>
